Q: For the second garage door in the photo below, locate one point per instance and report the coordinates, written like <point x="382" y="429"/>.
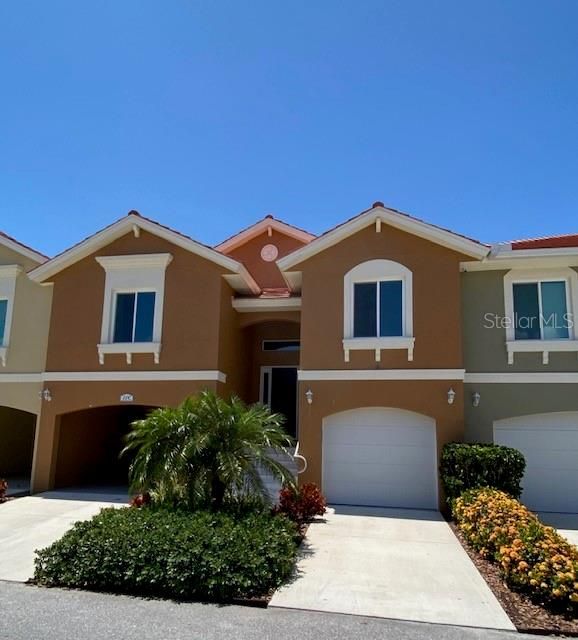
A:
<point x="549" y="442"/>
<point x="380" y="457"/>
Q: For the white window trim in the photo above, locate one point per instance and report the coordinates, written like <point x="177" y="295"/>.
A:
<point x="570" y="277"/>
<point x="8" y="275"/>
<point x="132" y="274"/>
<point x="378" y="271"/>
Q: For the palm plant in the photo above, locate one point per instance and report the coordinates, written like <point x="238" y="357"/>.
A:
<point x="206" y="450"/>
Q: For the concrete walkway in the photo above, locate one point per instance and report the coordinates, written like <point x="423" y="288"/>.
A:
<point x="34" y="522"/>
<point x="390" y="563"/>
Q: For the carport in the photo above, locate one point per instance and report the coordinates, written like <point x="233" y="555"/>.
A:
<point x="17" y="430"/>
<point x="89" y="446"/>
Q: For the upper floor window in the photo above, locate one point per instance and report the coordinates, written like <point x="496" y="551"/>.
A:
<point x="3" y="313"/>
<point x="8" y="277"/>
<point x="540" y="311"/>
<point x="132" y="315"/>
<point x="378" y="308"/>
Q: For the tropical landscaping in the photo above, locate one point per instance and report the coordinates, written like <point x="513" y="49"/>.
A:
<point x="532" y="569"/>
<point x="201" y="525"/>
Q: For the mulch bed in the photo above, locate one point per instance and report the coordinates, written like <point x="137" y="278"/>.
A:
<point x="526" y="616"/>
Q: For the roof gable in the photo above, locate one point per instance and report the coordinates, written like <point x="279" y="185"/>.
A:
<point x="134" y="222"/>
<point x="377" y="215"/>
<point x="266" y="224"/>
<point x="22" y="249"/>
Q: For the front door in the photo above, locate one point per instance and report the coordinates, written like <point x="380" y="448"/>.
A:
<point x="279" y="392"/>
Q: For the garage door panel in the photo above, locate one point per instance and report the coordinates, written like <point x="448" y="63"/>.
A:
<point x="380" y="458"/>
<point x="379" y="454"/>
<point x="549" y="443"/>
<point x="547" y="438"/>
<point x="385" y="435"/>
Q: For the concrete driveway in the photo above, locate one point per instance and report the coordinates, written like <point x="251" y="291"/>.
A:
<point x="34" y="522"/>
<point x="390" y="563"/>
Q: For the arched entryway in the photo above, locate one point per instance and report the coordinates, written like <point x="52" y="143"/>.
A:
<point x="17" y="429"/>
<point x="273" y="355"/>
<point x="380" y="456"/>
<point x="89" y="446"/>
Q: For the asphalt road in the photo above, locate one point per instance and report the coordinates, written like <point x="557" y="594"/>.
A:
<point x="28" y="612"/>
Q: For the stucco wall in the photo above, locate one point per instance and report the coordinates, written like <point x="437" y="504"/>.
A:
<point x="484" y="346"/>
<point x="499" y="401"/>
<point x="190" y="335"/>
<point x="266" y="274"/>
<point x="69" y="397"/>
<point x="436" y="302"/>
<point x="426" y="397"/>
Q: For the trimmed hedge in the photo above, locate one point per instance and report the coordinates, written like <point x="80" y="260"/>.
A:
<point x="533" y="558"/>
<point x="174" y="554"/>
<point x="471" y="466"/>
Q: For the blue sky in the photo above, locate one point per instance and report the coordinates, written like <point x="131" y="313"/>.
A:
<point x="209" y="115"/>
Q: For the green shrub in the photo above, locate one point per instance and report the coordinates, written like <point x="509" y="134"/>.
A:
<point x="176" y="554"/>
<point x="470" y="466"/>
<point x="533" y="558"/>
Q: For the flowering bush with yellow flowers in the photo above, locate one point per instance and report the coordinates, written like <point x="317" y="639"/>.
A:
<point x="533" y="558"/>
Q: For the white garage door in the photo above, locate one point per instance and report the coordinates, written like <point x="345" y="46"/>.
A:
<point x="549" y="442"/>
<point x="380" y="457"/>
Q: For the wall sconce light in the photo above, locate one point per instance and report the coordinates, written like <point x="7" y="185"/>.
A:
<point x="476" y="399"/>
<point x="309" y="396"/>
<point x="46" y="395"/>
<point x="451" y="396"/>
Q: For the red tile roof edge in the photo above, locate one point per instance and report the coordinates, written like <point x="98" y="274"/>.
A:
<point x="546" y="242"/>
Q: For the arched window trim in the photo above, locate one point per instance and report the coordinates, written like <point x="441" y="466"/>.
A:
<point x="378" y="271"/>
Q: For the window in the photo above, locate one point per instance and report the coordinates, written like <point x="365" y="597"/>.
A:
<point x="134" y="317"/>
<point x="132" y="312"/>
<point x="541" y="310"/>
<point x="281" y="345"/>
<point x="378" y="309"/>
<point x="3" y="314"/>
<point x="8" y="276"/>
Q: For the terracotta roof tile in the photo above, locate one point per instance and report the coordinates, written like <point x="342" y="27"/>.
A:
<point x="547" y="242"/>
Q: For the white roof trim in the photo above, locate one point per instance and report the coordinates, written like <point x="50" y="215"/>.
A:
<point x="14" y="245"/>
<point x="253" y="305"/>
<point x="259" y="228"/>
<point x="134" y="376"/>
<point x="522" y="378"/>
<point x="305" y="375"/>
<point x="124" y="226"/>
<point x="392" y="218"/>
